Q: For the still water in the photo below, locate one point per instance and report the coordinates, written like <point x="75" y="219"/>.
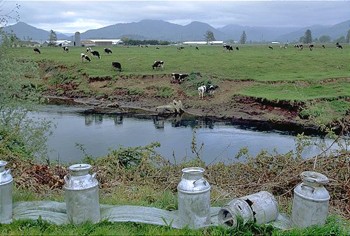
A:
<point x="97" y="134"/>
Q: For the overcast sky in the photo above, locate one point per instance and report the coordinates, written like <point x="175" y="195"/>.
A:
<point x="75" y="15"/>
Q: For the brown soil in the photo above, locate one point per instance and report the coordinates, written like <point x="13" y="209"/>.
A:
<point x="114" y="96"/>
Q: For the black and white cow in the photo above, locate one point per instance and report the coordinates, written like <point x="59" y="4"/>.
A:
<point x="311" y="46"/>
<point x="65" y="49"/>
<point x="84" y="57"/>
<point x="158" y="64"/>
<point x="201" y="90"/>
<point x="211" y="88"/>
<point x="36" y="50"/>
<point x="271" y="47"/>
<point x="228" y="47"/>
<point x="117" y="65"/>
<point x="94" y="53"/>
<point x="339" y="46"/>
<point x="178" y="78"/>
<point x="108" y="50"/>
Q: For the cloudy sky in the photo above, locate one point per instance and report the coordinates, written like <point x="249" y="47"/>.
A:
<point x="75" y="15"/>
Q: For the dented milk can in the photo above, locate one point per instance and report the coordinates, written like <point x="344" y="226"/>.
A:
<point x="81" y="195"/>
<point x="5" y="194"/>
<point x="194" y="198"/>
<point x="311" y="200"/>
<point x="259" y="207"/>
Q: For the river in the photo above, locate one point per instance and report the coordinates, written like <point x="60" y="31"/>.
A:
<point x="75" y="133"/>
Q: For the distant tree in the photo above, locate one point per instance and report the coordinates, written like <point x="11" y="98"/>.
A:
<point x="52" y="38"/>
<point x="243" y="38"/>
<point x="324" y="39"/>
<point x="307" y="37"/>
<point x="347" y="40"/>
<point x="209" y="36"/>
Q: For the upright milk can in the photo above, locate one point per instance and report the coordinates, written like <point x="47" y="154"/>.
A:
<point x="5" y="194"/>
<point x="81" y="194"/>
<point x="311" y="200"/>
<point x="194" y="198"/>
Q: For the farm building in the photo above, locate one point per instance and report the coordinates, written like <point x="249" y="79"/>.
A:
<point x="101" y="42"/>
<point x="203" y="42"/>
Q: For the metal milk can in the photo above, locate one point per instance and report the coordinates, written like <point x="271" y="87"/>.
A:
<point x="81" y="195"/>
<point x="311" y="200"/>
<point x="6" y="181"/>
<point x="194" y="198"/>
<point x="260" y="207"/>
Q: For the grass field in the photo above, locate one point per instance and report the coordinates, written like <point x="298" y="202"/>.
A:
<point x="319" y="78"/>
<point x="250" y="62"/>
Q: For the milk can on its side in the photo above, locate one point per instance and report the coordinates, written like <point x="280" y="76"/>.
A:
<point x="194" y="198"/>
<point x="81" y="195"/>
<point x="259" y="207"/>
<point x="6" y="183"/>
<point x="311" y="200"/>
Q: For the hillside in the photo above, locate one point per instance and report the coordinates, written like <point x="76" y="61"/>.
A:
<point x="162" y="30"/>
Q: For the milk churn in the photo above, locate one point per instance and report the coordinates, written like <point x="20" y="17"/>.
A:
<point x="259" y="207"/>
<point x="194" y="198"/>
<point x="81" y="194"/>
<point x="5" y="194"/>
<point x="311" y="200"/>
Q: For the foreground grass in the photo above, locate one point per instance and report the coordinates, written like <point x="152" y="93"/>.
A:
<point x="139" y="176"/>
<point x="40" y="227"/>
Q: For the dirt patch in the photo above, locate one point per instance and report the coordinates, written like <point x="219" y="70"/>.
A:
<point x="143" y="92"/>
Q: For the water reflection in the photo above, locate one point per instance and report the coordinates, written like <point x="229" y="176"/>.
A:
<point x="98" y="133"/>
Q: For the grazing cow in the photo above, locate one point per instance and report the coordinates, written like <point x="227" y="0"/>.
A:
<point x="197" y="48"/>
<point x="96" y="54"/>
<point x="271" y="47"/>
<point x="311" y="46"/>
<point x="108" y="50"/>
<point x="228" y="47"/>
<point x="158" y="64"/>
<point x="178" y="78"/>
<point x="339" y="46"/>
<point x="84" y="57"/>
<point x="237" y="48"/>
<point x="36" y="50"/>
<point x="180" y="48"/>
<point x="117" y="65"/>
<point x="65" y="49"/>
<point x="323" y="46"/>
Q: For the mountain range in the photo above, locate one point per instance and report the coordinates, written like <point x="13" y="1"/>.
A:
<point x="195" y="31"/>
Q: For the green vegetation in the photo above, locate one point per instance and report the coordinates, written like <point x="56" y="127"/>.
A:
<point x="139" y="176"/>
<point x="292" y="75"/>
<point x="250" y="62"/>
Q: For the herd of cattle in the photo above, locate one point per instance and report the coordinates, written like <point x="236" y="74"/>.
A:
<point x="177" y="78"/>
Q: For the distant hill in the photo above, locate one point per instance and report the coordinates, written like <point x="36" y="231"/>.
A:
<point x="334" y="31"/>
<point x="162" y="30"/>
<point x="27" y="32"/>
<point x="154" y="29"/>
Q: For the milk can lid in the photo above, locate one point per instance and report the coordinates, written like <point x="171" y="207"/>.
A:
<point x="5" y="175"/>
<point x="314" y="177"/>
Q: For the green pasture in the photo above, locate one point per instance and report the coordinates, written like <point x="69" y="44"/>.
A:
<point x="250" y="62"/>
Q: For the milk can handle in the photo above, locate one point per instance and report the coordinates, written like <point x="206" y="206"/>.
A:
<point x="203" y="181"/>
<point x="8" y="172"/>
<point x="93" y="176"/>
<point x="66" y="178"/>
<point x="307" y="187"/>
